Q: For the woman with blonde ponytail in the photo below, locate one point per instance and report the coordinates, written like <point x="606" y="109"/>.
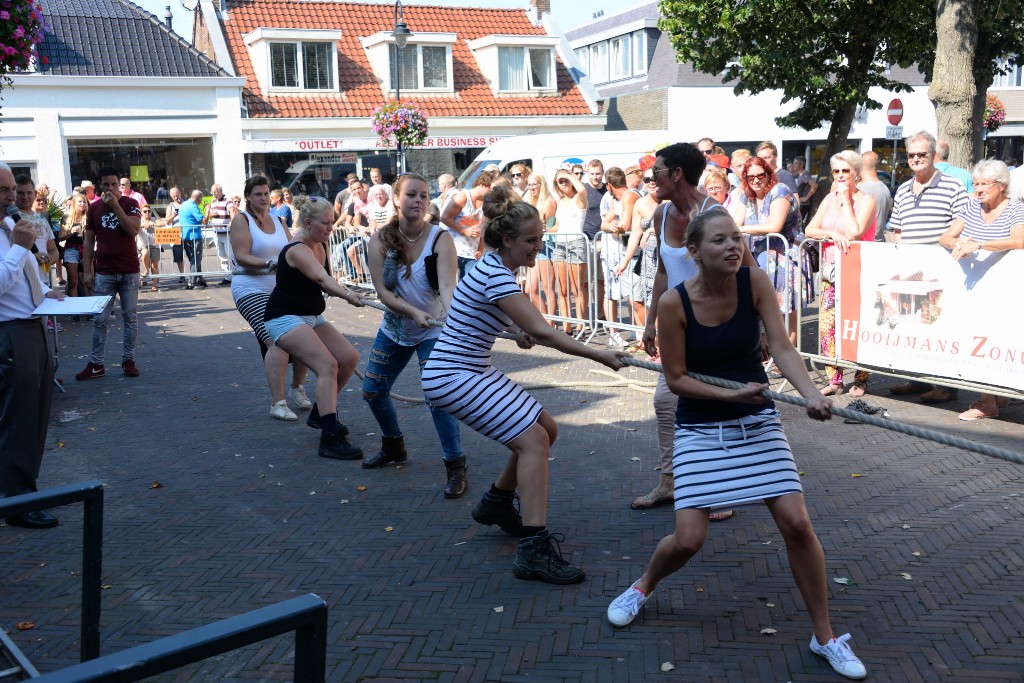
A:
<point x="413" y="267"/>
<point x="460" y="379"/>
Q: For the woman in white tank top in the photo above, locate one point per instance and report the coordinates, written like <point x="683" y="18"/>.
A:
<point x="256" y="240"/>
<point x="570" y="252"/>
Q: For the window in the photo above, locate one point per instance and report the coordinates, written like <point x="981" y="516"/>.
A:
<point x="620" y="57"/>
<point x="521" y="68"/>
<point x="421" y="67"/>
<point x="1010" y="79"/>
<point x="583" y="59"/>
<point x="639" y="53"/>
<point x="315" y="71"/>
<point x="599" y="62"/>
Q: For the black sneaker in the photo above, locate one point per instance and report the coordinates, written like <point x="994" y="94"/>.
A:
<point x="202" y="283"/>
<point x="313" y="421"/>
<point x="337" y="447"/>
<point x="500" y="510"/>
<point x="540" y="557"/>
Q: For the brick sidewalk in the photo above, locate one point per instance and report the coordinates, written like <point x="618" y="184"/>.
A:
<point x="247" y="515"/>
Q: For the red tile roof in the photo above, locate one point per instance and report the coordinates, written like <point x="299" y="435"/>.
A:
<point x="361" y="92"/>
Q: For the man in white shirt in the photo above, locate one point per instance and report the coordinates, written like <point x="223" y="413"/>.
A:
<point x="26" y="383"/>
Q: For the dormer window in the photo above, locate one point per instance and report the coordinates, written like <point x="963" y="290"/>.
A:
<point x="305" y="66"/>
<point x="518" y="64"/>
<point x="521" y="69"/>
<point x="295" y="60"/>
<point x="423" y="65"/>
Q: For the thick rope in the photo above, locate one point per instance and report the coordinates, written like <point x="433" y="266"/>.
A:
<point x="910" y="430"/>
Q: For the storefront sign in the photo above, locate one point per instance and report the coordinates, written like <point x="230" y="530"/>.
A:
<point x="321" y="145"/>
<point x="167" y="235"/>
<point x="333" y="159"/>
<point x="913" y="308"/>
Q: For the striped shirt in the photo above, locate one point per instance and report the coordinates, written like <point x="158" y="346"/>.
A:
<point x="474" y="320"/>
<point x="922" y="218"/>
<point x="975" y="227"/>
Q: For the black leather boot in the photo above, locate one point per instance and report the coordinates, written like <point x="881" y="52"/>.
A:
<point x="456" y="485"/>
<point x="392" y="449"/>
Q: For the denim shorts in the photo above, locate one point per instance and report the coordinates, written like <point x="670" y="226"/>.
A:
<point x="278" y="327"/>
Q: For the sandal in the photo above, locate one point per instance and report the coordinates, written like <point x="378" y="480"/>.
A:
<point x="832" y="390"/>
<point x="652" y="500"/>
<point x="976" y="412"/>
<point x="721" y="516"/>
<point x="858" y="389"/>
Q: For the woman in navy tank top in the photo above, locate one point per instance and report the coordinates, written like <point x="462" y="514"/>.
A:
<point x="729" y="447"/>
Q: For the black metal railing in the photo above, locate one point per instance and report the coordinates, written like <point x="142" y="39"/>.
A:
<point x="305" y="615"/>
<point x="91" y="494"/>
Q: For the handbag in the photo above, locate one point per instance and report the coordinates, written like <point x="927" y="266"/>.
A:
<point x="430" y="263"/>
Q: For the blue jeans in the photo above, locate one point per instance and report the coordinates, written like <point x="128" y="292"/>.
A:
<point x="387" y="360"/>
<point x="126" y="287"/>
<point x="465" y="265"/>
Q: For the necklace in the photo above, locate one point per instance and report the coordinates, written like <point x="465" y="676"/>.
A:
<point x="411" y="240"/>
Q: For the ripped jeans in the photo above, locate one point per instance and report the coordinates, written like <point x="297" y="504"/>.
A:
<point x="387" y="360"/>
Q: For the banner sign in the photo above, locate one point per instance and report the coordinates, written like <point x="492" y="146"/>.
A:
<point x="366" y="144"/>
<point x="168" y="235"/>
<point x="913" y="308"/>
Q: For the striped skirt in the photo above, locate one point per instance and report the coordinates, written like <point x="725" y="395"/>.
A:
<point x="726" y="464"/>
<point x="488" y="402"/>
<point x="253" y="307"/>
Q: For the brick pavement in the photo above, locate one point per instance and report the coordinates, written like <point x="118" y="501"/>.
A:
<point x="247" y="515"/>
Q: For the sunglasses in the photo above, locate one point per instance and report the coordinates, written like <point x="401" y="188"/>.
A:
<point x="756" y="176"/>
<point x="564" y="181"/>
<point x="917" y="155"/>
<point x="842" y="171"/>
<point x="516" y="175"/>
<point x="648" y="179"/>
<point x="578" y="174"/>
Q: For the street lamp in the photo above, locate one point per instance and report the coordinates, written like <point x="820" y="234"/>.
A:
<point x="401" y="35"/>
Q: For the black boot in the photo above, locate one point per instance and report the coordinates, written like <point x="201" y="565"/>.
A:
<point x="456" y="485"/>
<point x="313" y="420"/>
<point x="501" y="510"/>
<point x="392" y="449"/>
<point x="540" y="557"/>
<point x="337" y="447"/>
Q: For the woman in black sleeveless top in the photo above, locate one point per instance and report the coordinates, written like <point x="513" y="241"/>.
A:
<point x="295" y="322"/>
<point x="729" y="446"/>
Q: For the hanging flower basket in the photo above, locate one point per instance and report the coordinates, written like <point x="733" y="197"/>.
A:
<point x="399" y="122"/>
<point x="995" y="113"/>
<point x="21" y="29"/>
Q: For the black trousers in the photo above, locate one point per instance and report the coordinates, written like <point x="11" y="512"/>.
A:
<point x="26" y="389"/>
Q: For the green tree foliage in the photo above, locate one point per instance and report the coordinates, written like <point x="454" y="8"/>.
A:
<point x="824" y="54"/>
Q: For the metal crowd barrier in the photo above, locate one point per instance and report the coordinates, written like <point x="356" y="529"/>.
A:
<point x="616" y="325"/>
<point x="563" y="286"/>
<point x="348" y="257"/>
<point x="91" y="494"/>
<point x="209" y="265"/>
<point x="305" y="615"/>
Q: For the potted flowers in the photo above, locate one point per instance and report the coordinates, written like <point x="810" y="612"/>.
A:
<point x="398" y="123"/>
<point x="21" y="29"/>
<point x="995" y="113"/>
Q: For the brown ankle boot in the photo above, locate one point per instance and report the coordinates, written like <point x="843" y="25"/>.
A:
<point x="457" y="483"/>
<point x="392" y="449"/>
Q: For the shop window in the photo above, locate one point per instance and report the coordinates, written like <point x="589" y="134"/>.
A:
<point x="521" y="69"/>
<point x="313" y="71"/>
<point x="421" y="67"/>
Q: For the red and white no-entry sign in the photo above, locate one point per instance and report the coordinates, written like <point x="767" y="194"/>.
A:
<point x="895" y="112"/>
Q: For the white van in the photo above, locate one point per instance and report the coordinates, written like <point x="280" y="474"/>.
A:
<point x="548" y="152"/>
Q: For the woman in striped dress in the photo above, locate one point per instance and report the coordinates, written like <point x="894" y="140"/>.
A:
<point x="730" y="448"/>
<point x="459" y="378"/>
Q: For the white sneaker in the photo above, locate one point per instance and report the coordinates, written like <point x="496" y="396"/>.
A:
<point x="624" y="608"/>
<point x="615" y="340"/>
<point x="840" y="656"/>
<point x="297" y="395"/>
<point x="280" y="411"/>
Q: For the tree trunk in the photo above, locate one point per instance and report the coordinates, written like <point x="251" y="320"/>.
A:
<point x="984" y="74"/>
<point x="953" y="90"/>
<point x="838" y="133"/>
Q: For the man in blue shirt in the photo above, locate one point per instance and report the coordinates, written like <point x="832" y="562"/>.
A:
<point x="941" y="163"/>
<point x="191" y="217"/>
